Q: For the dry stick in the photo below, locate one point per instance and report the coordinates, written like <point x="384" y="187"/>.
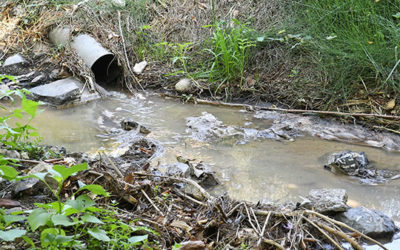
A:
<point x="301" y="111"/>
<point x="353" y="243"/>
<point x="249" y="219"/>
<point x="324" y="233"/>
<point x="189" y="198"/>
<point x="263" y="229"/>
<point x="126" y="55"/>
<point x="113" y="165"/>
<point x="195" y="184"/>
<point x="234" y="209"/>
<point x="387" y="129"/>
<point x="255" y="219"/>
<point x="271" y="242"/>
<point x="152" y="203"/>
<point x="347" y="227"/>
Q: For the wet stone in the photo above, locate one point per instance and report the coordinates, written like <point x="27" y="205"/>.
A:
<point x="178" y="169"/>
<point x="129" y="124"/>
<point x="15" y="59"/>
<point x="58" y="92"/>
<point x="368" y="221"/>
<point x="347" y="162"/>
<point x="328" y="200"/>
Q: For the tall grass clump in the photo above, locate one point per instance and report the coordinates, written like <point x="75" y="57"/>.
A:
<point x="229" y="48"/>
<point x="356" y="42"/>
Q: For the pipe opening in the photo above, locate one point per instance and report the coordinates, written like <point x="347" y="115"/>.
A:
<point x="106" y="69"/>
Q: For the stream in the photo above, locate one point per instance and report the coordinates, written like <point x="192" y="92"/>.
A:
<point x="266" y="170"/>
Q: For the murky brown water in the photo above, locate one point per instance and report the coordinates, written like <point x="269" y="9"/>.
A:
<point x="258" y="170"/>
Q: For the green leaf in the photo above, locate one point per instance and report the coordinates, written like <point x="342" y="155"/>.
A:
<point x="54" y="236"/>
<point x="91" y="219"/>
<point x="99" y="234"/>
<point x="95" y="189"/>
<point x="7" y="172"/>
<point x="38" y="217"/>
<point x="29" y="106"/>
<point x="12" y="234"/>
<point x="137" y="239"/>
<point x="60" y="219"/>
<point x="8" y="219"/>
<point x="67" y="172"/>
<point x="29" y="241"/>
<point x="81" y="203"/>
<point x="397" y="15"/>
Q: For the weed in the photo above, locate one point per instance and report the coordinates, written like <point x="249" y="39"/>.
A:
<point x="353" y="40"/>
<point x="230" y="48"/>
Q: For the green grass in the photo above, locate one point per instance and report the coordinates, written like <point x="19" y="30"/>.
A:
<point x="355" y="41"/>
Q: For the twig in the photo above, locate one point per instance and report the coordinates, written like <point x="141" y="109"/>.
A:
<point x="113" y="165"/>
<point x="255" y="219"/>
<point x="263" y="229"/>
<point x="152" y="203"/>
<point x="347" y="227"/>
<point x="324" y="233"/>
<point x="387" y="129"/>
<point x="234" y="209"/>
<point x="271" y="242"/>
<point x="249" y="219"/>
<point x="353" y="243"/>
<point x="126" y="55"/>
<point x="297" y="111"/>
<point x="193" y="183"/>
<point x="189" y="197"/>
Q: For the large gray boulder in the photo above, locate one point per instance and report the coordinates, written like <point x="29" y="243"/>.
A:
<point x="348" y="163"/>
<point x="370" y="222"/>
<point x="328" y="200"/>
<point x="58" y="92"/>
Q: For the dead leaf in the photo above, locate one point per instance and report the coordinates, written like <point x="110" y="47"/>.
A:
<point x="390" y="105"/>
<point x="182" y="225"/>
<point x="192" y="245"/>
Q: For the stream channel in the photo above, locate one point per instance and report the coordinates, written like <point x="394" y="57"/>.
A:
<point x="267" y="170"/>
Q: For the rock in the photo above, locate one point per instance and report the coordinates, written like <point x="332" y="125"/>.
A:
<point x="184" y="85"/>
<point x="15" y="59"/>
<point x="10" y="153"/>
<point x="139" y="67"/>
<point x="129" y="124"/>
<point x="7" y="203"/>
<point x="27" y="186"/>
<point x="348" y="163"/>
<point x="328" y="200"/>
<point x="207" y="127"/>
<point x="58" y="92"/>
<point x="370" y="222"/>
<point x="180" y="169"/>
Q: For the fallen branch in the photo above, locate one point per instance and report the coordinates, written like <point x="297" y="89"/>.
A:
<point x="342" y="235"/>
<point x="323" y="233"/>
<point x="296" y="111"/>
<point x="346" y="226"/>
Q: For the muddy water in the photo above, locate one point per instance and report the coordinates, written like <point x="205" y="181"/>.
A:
<point x="259" y="170"/>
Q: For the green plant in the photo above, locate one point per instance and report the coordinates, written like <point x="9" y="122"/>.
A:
<point x="230" y="49"/>
<point x="22" y="136"/>
<point x="355" y="42"/>
<point x="75" y="223"/>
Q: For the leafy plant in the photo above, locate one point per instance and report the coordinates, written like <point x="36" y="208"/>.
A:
<point x="354" y="41"/>
<point x="230" y="49"/>
<point x="22" y="136"/>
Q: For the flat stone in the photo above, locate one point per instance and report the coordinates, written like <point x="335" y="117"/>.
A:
<point x="368" y="221"/>
<point x="184" y="85"/>
<point x="15" y="59"/>
<point x="58" y="92"/>
<point x="139" y="67"/>
<point x="180" y="169"/>
<point x="328" y="200"/>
